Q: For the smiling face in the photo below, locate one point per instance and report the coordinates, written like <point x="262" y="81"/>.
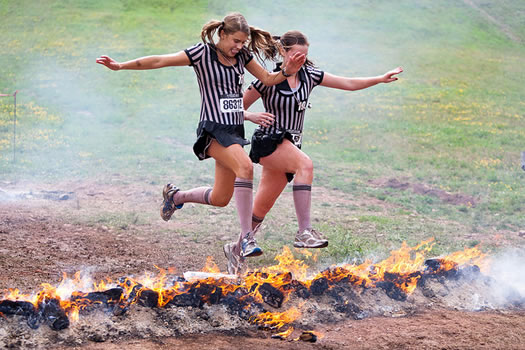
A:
<point x="231" y="44"/>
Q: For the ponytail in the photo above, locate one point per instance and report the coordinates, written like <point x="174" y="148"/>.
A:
<point x="263" y="44"/>
<point x="209" y="30"/>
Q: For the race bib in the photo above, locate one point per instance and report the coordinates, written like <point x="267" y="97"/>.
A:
<point x="302" y="105"/>
<point x="297" y="138"/>
<point x="231" y="103"/>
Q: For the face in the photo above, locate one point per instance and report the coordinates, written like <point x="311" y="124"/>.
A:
<point x="231" y="44"/>
<point x="295" y="48"/>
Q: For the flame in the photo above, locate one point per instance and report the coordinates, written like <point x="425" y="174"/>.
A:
<point x="211" y="266"/>
<point x="468" y="256"/>
<point x="276" y="320"/>
<point x="287" y="263"/>
<point x="285" y="334"/>
<point x="404" y="267"/>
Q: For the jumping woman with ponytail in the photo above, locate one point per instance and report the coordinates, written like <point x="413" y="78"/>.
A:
<point x="220" y="134"/>
<point x="276" y="143"/>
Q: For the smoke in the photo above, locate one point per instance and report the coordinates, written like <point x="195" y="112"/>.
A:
<point x="506" y="270"/>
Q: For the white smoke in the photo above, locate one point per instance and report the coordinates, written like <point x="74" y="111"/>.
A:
<point x="507" y="271"/>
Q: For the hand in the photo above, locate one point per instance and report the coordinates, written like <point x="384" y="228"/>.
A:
<point x="389" y="76"/>
<point x="109" y="62"/>
<point x="295" y="62"/>
<point x="263" y="119"/>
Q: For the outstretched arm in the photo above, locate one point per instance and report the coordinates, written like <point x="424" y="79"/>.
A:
<point x="262" y="118"/>
<point x="352" y="84"/>
<point x="269" y="79"/>
<point x="148" y="62"/>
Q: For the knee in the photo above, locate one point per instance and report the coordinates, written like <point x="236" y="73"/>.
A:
<point x="306" y="166"/>
<point x="245" y="170"/>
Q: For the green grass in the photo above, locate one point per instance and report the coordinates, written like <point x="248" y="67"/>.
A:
<point x="454" y="121"/>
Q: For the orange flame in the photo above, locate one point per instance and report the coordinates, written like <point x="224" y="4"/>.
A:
<point x="276" y="320"/>
<point x="406" y="264"/>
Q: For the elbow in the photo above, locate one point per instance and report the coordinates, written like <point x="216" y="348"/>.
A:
<point x="270" y="79"/>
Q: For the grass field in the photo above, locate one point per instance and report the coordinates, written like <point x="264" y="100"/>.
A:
<point x="454" y="122"/>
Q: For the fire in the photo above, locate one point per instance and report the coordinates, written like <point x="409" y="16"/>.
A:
<point x="287" y="263"/>
<point x="271" y="285"/>
<point x="276" y="320"/>
<point x="468" y="256"/>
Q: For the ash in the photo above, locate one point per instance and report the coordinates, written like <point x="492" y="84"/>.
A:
<point x="323" y="302"/>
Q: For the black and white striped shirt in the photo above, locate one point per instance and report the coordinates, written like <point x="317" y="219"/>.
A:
<point x="285" y="104"/>
<point x="219" y="84"/>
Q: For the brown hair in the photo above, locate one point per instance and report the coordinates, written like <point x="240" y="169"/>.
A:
<point x="291" y="38"/>
<point x="261" y="42"/>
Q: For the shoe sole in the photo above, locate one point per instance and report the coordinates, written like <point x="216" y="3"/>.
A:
<point x="165" y="195"/>
<point x="302" y="245"/>
<point x="255" y="252"/>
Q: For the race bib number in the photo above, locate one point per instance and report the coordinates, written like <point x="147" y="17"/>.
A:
<point x="297" y="138"/>
<point x="231" y="103"/>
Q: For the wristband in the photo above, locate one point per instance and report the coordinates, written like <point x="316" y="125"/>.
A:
<point x="284" y="73"/>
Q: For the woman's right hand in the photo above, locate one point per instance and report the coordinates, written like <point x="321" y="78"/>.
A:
<point x="262" y="118"/>
<point x="109" y="62"/>
<point x="295" y="62"/>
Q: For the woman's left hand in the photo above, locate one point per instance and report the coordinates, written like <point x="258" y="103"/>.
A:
<point x="263" y="119"/>
<point x="389" y="76"/>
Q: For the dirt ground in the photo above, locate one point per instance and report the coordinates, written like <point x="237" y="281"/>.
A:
<point x="40" y="238"/>
<point x="434" y="329"/>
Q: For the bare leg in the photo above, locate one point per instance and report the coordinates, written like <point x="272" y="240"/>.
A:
<point x="270" y="187"/>
<point x="236" y="168"/>
<point x="286" y="159"/>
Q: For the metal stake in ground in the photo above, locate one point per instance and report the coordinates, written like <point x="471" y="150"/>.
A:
<point x="14" y="130"/>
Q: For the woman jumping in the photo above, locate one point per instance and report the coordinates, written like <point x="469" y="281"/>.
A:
<point x="220" y="134"/>
<point x="276" y="143"/>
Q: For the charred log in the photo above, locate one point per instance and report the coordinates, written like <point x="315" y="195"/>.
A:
<point x="197" y="295"/>
<point x="245" y="308"/>
<point x="319" y="286"/>
<point x="88" y="301"/>
<point x="51" y="313"/>
<point x="308" y="336"/>
<point x="148" y="298"/>
<point x="271" y="295"/>
<point x="393" y="291"/>
<point x="11" y="307"/>
<point x="438" y="267"/>
<point x="298" y="288"/>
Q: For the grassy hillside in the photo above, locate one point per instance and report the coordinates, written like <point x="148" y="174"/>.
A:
<point x="454" y="121"/>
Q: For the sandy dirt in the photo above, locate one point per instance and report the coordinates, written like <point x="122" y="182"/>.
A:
<point x="434" y="329"/>
<point x="40" y="238"/>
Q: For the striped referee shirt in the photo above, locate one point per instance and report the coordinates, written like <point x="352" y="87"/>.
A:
<point x="288" y="106"/>
<point x="220" y="86"/>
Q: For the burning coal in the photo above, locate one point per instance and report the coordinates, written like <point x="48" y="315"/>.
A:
<point x="278" y="298"/>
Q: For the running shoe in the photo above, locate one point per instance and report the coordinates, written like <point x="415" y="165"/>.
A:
<point x="168" y="207"/>
<point x="309" y="238"/>
<point x="235" y="262"/>
<point x="249" y="247"/>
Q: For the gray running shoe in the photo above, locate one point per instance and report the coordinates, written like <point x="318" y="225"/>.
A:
<point x="309" y="239"/>
<point x="235" y="262"/>
<point x="318" y="235"/>
<point x="249" y="246"/>
<point x="168" y="207"/>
